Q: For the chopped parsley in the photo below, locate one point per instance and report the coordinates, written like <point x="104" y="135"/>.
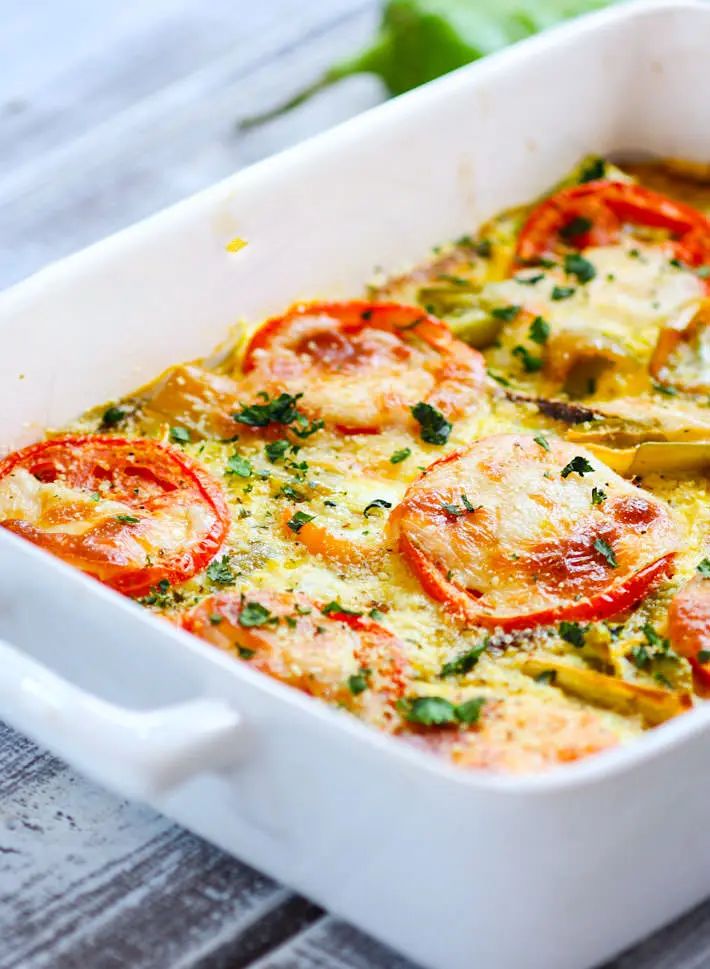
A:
<point x="531" y="363"/>
<point x="655" y="639"/>
<point x="703" y="568"/>
<point x="547" y="677"/>
<point x="278" y="410"/>
<point x="498" y="378"/>
<point x="664" y="389"/>
<point x="594" y="169"/>
<point x="573" y="633"/>
<point x="578" y="465"/>
<point x="539" y="330"/>
<point x="605" y="549"/>
<point x="433" y="426"/>
<point x="483" y="248"/>
<point x="376" y="614"/>
<point x="245" y="652"/>
<point x="179" y="435"/>
<point x="215" y="618"/>
<point x="465" y="662"/>
<point x="254" y="614"/>
<point x="127" y="519"/>
<point x="598" y="496"/>
<point x="220" y="571"/>
<point x="542" y="441"/>
<point x="400" y="455"/>
<point x="112" y="416"/>
<point x="334" y="607"/>
<point x="297" y="521"/>
<point x="704" y="656"/>
<point x="359" y="682"/>
<point x="377" y="503"/>
<point x="435" y="711"/>
<point x="238" y="465"/>
<point x="562" y="292"/>
<point x="288" y="491"/>
<point x="580" y="267"/>
<point x="640" y="657"/>
<point x="576" y="227"/>
<point x="505" y="313"/>
<point x="465" y="507"/>
<point x="530" y="280"/>
<point x="275" y="450"/>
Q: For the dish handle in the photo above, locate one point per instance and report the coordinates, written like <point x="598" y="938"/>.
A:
<point x="139" y="753"/>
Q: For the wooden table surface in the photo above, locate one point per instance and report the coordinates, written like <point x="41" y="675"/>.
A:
<point x="108" y="112"/>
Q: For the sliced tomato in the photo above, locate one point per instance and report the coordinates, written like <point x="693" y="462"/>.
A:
<point x="689" y="618"/>
<point x="130" y="513"/>
<point x="682" y="355"/>
<point x="342" y="658"/>
<point x="506" y="534"/>
<point x="519" y="735"/>
<point x="600" y="210"/>
<point x="362" y="366"/>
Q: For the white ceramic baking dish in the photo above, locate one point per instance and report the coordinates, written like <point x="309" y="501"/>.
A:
<point x="454" y="869"/>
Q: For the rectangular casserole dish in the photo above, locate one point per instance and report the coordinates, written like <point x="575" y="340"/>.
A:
<point x="555" y="871"/>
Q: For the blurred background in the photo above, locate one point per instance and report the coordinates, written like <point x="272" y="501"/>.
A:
<point x="111" y="110"/>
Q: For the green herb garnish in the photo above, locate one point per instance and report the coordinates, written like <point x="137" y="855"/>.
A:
<point x="238" y="465"/>
<point x="377" y="503"/>
<point x="580" y="267"/>
<point x="179" y="435"/>
<point x="335" y="607"/>
<point x="433" y="426"/>
<point x="539" y="330"/>
<point x="220" y="571"/>
<point x="573" y="633"/>
<point x="400" y="455"/>
<point x="297" y="521"/>
<point x="578" y="465"/>
<point x="435" y="711"/>
<point x="531" y="363"/>
<point x="254" y="614"/>
<point x="605" y="549"/>
<point x="598" y="496"/>
<point x="505" y="313"/>
<point x="275" y="450"/>
<point x="465" y="662"/>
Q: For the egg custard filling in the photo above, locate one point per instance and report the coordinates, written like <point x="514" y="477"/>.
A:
<point x="471" y="508"/>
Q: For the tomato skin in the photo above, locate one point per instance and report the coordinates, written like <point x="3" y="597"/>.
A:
<point x="608" y="205"/>
<point x="517" y="564"/>
<point x="353" y="316"/>
<point x="351" y="376"/>
<point x="689" y="619"/>
<point x="163" y="473"/>
<point x="463" y="606"/>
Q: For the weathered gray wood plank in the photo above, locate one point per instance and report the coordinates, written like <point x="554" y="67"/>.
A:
<point x="176" y="139"/>
<point x="89" y="880"/>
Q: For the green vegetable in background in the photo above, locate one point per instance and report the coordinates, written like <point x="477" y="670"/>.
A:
<point x="419" y="40"/>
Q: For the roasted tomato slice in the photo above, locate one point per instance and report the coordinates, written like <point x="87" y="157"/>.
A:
<point x="689" y="619"/>
<point x="514" y="533"/>
<point x="362" y="366"/>
<point x="342" y="658"/>
<point x="595" y="213"/>
<point x="130" y="513"/>
<point x="682" y="355"/>
<point x="519" y="735"/>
